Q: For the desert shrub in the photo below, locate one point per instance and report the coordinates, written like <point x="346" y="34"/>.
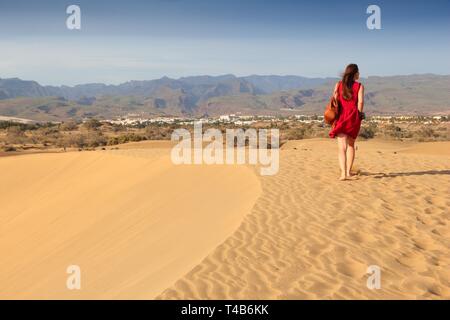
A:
<point x="367" y="132"/>
<point x="45" y="135"/>
<point x="77" y="140"/>
<point x="158" y="133"/>
<point x="92" y="124"/>
<point x="426" y="134"/>
<point x="294" y="134"/>
<point x="8" y="148"/>
<point x="396" y="132"/>
<point x="48" y="131"/>
<point x="62" y="142"/>
<point x="22" y="126"/>
<point x="112" y="141"/>
<point x="95" y="139"/>
<point x="323" y="132"/>
<point x="15" y="135"/>
<point x="69" y="126"/>
<point x="129" y="137"/>
<point x="7" y="124"/>
<point x="4" y="125"/>
<point x="443" y="132"/>
<point x="117" y="128"/>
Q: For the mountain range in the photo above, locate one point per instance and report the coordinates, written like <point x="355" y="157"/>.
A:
<point x="199" y="88"/>
<point x="215" y="95"/>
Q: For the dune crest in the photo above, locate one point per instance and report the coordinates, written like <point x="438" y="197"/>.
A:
<point x="131" y="220"/>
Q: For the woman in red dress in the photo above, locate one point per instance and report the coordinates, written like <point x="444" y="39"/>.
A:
<point x="350" y="94"/>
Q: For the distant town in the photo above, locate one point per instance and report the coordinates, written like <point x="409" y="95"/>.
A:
<point x="239" y="119"/>
<point x="247" y="120"/>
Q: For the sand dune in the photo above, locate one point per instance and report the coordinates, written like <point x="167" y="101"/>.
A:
<point x="141" y="228"/>
<point x="310" y="236"/>
<point x="132" y="221"/>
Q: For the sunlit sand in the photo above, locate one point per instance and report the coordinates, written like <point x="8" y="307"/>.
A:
<point x="133" y="222"/>
<point x="140" y="227"/>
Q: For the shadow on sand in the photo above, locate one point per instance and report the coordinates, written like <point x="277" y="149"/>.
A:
<point x="381" y="175"/>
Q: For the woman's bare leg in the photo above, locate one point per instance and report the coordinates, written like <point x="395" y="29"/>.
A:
<point x="350" y="155"/>
<point x="342" y="154"/>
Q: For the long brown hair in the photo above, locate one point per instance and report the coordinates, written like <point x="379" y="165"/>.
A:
<point x="348" y="79"/>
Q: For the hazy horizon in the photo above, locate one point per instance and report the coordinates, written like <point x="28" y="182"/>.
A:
<point x="219" y="75"/>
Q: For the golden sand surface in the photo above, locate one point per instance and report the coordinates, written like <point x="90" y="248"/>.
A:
<point x="310" y="236"/>
<point x="132" y="221"/>
<point x="140" y="227"/>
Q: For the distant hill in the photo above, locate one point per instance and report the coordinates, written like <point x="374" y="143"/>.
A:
<point x="199" y="88"/>
<point x="270" y="84"/>
<point x="415" y="94"/>
<point x="216" y="95"/>
<point x="15" y="87"/>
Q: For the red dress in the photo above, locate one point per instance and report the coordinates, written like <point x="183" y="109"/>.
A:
<point x="349" y="121"/>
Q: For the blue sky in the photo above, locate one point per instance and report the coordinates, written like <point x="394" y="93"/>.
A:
<point x="137" y="40"/>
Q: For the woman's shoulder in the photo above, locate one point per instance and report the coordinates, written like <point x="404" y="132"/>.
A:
<point x="358" y="84"/>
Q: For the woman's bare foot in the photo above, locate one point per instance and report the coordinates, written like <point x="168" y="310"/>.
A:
<point x="352" y="177"/>
<point x="353" y="174"/>
<point x="343" y="177"/>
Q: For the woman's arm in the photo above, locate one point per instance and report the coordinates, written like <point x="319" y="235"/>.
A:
<point x="361" y="99"/>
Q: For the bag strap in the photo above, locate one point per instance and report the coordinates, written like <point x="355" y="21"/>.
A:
<point x="338" y="90"/>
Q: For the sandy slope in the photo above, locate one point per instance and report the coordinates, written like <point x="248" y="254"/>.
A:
<point x="310" y="236"/>
<point x="141" y="228"/>
<point x="132" y="221"/>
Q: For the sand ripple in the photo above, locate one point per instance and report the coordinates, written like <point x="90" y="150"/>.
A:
<point x="310" y="236"/>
